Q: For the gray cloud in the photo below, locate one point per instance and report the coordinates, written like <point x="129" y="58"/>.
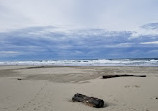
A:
<point x="36" y="43"/>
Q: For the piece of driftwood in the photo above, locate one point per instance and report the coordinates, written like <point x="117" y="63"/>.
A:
<point x="91" y="101"/>
<point x="124" y="75"/>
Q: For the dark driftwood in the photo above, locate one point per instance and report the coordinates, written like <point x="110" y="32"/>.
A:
<point x="124" y="75"/>
<point x="91" y="101"/>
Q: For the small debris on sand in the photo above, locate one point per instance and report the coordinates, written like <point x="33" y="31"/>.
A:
<point x="19" y="79"/>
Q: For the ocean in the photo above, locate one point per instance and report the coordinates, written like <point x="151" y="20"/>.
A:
<point x="89" y="62"/>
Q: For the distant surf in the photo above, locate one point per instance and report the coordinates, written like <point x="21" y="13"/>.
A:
<point x="88" y="62"/>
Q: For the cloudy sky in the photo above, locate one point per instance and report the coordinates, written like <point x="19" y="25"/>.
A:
<point x="78" y="29"/>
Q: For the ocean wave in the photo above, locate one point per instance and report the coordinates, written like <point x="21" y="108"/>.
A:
<point x="97" y="62"/>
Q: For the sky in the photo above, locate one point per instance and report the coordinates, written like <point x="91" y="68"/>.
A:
<point x="78" y="29"/>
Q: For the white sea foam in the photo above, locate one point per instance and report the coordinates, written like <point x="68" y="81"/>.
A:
<point x="99" y="62"/>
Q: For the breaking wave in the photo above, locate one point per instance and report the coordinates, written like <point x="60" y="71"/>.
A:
<point x="95" y="62"/>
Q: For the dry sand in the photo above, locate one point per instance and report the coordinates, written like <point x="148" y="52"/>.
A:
<point x="51" y="88"/>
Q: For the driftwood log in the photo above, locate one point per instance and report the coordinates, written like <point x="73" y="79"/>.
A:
<point x="91" y="101"/>
<point x="124" y="75"/>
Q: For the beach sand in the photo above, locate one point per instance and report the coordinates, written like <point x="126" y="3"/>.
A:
<point x="51" y="88"/>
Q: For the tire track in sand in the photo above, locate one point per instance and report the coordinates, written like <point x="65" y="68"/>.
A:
<point x="40" y="102"/>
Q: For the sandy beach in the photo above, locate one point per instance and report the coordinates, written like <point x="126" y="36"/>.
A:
<point x="51" y="88"/>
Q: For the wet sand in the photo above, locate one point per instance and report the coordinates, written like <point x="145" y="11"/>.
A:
<point x="50" y="88"/>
